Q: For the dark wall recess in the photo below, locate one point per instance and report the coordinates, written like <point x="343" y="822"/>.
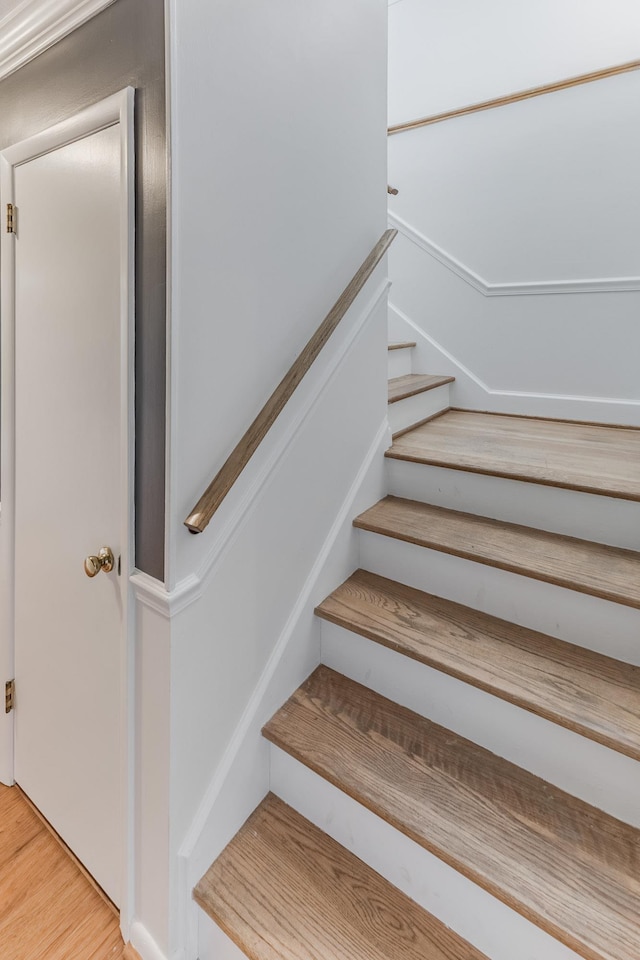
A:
<point x="122" y="46"/>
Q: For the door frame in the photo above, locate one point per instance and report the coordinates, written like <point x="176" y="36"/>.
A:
<point x="116" y="109"/>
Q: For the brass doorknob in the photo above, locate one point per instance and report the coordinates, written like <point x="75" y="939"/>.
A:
<point x="104" y="561"/>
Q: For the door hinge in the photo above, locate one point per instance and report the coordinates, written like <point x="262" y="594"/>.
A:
<point x="9" y="696"/>
<point x="11" y="218"/>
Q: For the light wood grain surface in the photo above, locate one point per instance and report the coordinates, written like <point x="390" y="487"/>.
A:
<point x="567" y="867"/>
<point x="237" y="460"/>
<point x="516" y="97"/>
<point x="595" y="696"/>
<point x="595" y="459"/>
<point x="402" y="345"/>
<point x="602" y="571"/>
<point x="284" y="890"/>
<point x="49" y="910"/>
<point x="413" y="383"/>
<point x="434" y="416"/>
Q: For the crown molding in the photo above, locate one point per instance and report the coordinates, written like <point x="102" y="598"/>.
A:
<point x="487" y="289"/>
<point x="35" y="25"/>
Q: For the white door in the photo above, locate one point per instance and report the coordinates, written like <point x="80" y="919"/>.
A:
<point x="68" y="496"/>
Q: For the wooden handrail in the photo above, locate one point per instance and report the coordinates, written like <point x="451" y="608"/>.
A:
<point x="242" y="453"/>
<point x="516" y="97"/>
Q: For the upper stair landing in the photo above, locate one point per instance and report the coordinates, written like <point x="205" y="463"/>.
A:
<point x="579" y="456"/>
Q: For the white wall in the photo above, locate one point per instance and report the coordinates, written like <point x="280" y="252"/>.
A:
<point x="279" y="193"/>
<point x="519" y="260"/>
<point x="448" y="55"/>
<point x="278" y="169"/>
<point x="546" y="189"/>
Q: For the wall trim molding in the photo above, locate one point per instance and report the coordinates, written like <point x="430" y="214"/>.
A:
<point x="146" y="947"/>
<point x="35" y="25"/>
<point x="488" y="289"/>
<point x="583" y="407"/>
<point x="152" y="593"/>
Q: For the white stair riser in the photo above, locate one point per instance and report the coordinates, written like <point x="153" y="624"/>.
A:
<point x="583" y="515"/>
<point x="413" y="410"/>
<point x="399" y="362"/>
<point x="463" y="906"/>
<point x="213" y="943"/>
<point x="609" y="628"/>
<point x="598" y="775"/>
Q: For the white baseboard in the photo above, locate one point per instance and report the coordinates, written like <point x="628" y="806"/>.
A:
<point x="472" y="392"/>
<point x="142" y="941"/>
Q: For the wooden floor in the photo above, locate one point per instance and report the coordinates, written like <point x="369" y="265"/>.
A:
<point x="48" y="909"/>
<point x="580" y="456"/>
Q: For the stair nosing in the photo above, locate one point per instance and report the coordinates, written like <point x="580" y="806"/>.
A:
<point x="521" y="569"/>
<point x="432" y="461"/>
<point x="414" y="391"/>
<point x="432" y="658"/>
<point x="420" y="423"/>
<point x="531" y="416"/>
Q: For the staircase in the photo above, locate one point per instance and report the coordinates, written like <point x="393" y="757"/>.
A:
<point x="463" y="767"/>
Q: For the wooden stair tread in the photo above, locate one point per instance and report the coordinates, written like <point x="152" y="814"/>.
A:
<point x="401" y="345"/>
<point x="593" y="568"/>
<point x="284" y="890"/>
<point x="594" y="695"/>
<point x="412" y="383"/>
<point x="587" y="457"/>
<point x="566" y="866"/>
